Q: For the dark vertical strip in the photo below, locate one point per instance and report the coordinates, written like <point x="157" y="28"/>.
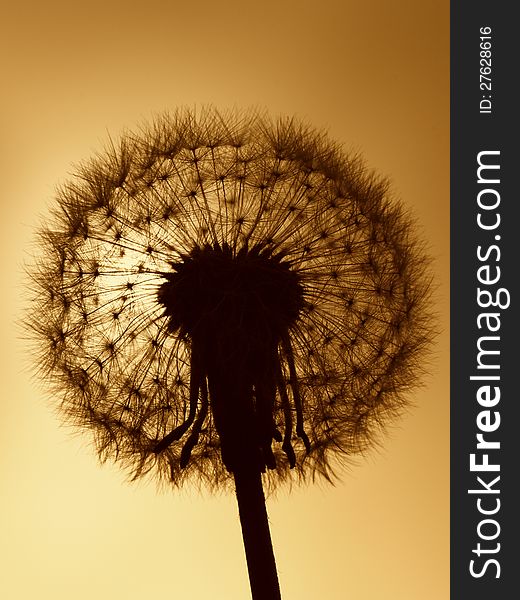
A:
<point x="257" y="537"/>
<point x="485" y="256"/>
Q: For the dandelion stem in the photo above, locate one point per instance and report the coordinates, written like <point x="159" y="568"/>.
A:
<point x="261" y="564"/>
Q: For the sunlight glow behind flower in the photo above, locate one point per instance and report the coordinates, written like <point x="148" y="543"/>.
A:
<point x="217" y="185"/>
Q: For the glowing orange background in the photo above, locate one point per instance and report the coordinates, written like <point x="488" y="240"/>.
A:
<point x="376" y="75"/>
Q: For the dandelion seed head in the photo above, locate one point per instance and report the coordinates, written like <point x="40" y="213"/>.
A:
<point x="306" y="274"/>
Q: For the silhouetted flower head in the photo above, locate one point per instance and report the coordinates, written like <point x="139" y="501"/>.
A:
<point x="221" y="286"/>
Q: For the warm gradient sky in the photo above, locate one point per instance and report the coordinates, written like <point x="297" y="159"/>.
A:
<point x="376" y="75"/>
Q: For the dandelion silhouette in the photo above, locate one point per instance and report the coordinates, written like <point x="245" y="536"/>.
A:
<point x="225" y="298"/>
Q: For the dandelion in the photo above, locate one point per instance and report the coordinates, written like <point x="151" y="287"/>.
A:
<point x="231" y="300"/>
